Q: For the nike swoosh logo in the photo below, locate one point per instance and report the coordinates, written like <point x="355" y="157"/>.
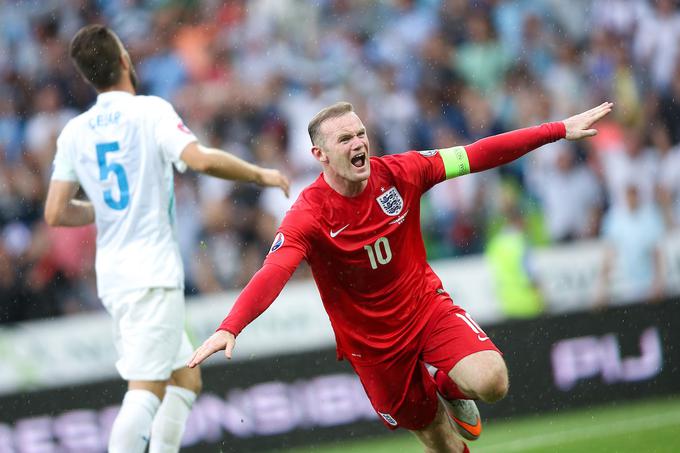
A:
<point x="481" y="338"/>
<point x="335" y="233"/>
<point x="475" y="429"/>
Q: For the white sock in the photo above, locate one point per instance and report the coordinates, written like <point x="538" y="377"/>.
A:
<point x="132" y="427"/>
<point x="168" y="425"/>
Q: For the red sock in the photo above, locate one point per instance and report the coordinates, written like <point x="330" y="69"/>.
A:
<point x="465" y="449"/>
<point x="447" y="388"/>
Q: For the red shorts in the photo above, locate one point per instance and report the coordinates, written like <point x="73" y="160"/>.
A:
<point x="400" y="388"/>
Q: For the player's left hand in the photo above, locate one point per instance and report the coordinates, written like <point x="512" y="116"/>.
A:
<point x="578" y="126"/>
<point x="220" y="340"/>
<point x="274" y="178"/>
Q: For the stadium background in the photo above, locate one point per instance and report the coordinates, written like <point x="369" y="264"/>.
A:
<point x="247" y="76"/>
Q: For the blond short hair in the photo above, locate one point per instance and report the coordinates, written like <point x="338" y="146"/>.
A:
<point x="332" y="111"/>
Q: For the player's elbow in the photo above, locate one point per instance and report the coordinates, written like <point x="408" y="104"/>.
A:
<point x="196" y="158"/>
<point x="201" y="165"/>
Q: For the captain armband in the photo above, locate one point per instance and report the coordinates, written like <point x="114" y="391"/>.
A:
<point x="456" y="161"/>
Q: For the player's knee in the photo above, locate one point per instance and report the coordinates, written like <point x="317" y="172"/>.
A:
<point x="494" y="385"/>
<point x="188" y="378"/>
<point x="496" y="390"/>
<point x="196" y="384"/>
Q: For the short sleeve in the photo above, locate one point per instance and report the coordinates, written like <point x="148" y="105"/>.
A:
<point x="172" y="134"/>
<point x="292" y="242"/>
<point x="63" y="167"/>
<point x="423" y="169"/>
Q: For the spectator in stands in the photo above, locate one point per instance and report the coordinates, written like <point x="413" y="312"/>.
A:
<point x="668" y="186"/>
<point x="633" y="266"/>
<point x="669" y="107"/>
<point x="10" y="129"/>
<point x="630" y="161"/>
<point x="12" y="291"/>
<point x="571" y="197"/>
<point x="481" y="61"/>
<point x="508" y="254"/>
<point x="50" y="116"/>
<point x="657" y="42"/>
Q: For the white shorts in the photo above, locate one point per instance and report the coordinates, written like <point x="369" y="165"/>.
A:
<point x="148" y="331"/>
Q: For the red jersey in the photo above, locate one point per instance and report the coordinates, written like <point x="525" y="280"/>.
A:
<point x="367" y="253"/>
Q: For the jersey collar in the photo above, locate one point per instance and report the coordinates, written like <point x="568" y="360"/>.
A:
<point x="365" y="193"/>
<point x="111" y="95"/>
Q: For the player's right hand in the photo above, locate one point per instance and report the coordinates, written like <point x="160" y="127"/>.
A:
<point x="220" y="340"/>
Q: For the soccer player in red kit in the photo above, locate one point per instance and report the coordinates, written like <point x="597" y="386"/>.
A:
<point x="358" y="227"/>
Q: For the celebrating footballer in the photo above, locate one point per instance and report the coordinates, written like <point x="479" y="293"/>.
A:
<point x="422" y="359"/>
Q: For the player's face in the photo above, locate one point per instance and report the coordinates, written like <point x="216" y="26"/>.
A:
<point x="345" y="147"/>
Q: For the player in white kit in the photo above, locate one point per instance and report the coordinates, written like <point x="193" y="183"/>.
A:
<point x="122" y="152"/>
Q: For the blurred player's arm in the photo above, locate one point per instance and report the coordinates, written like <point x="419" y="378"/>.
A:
<point x="221" y="164"/>
<point x="255" y="298"/>
<point x="62" y="209"/>
<point x="500" y="149"/>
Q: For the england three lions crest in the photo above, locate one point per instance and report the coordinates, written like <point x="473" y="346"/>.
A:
<point x="391" y="202"/>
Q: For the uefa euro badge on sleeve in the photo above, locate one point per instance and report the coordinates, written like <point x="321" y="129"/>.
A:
<point x="391" y="202"/>
<point x="278" y="242"/>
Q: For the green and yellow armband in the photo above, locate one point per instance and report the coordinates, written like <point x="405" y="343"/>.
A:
<point x="456" y="161"/>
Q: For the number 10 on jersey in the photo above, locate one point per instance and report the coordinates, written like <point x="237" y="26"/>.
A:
<point x="379" y="252"/>
<point x="117" y="169"/>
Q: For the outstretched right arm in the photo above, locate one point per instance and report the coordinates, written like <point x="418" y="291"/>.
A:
<point x="289" y="248"/>
<point x="255" y="298"/>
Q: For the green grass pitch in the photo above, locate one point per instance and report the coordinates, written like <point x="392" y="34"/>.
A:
<point x="651" y="426"/>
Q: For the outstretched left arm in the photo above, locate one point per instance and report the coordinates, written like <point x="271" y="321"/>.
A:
<point x="500" y="149"/>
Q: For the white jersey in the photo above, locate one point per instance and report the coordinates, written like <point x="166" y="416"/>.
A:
<point x="121" y="151"/>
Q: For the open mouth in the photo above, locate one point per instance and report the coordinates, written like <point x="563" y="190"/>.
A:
<point x="359" y="160"/>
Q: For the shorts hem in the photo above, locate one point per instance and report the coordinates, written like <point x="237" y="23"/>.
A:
<point x="146" y="377"/>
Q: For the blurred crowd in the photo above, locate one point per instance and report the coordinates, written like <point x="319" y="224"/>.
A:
<point x="247" y="76"/>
